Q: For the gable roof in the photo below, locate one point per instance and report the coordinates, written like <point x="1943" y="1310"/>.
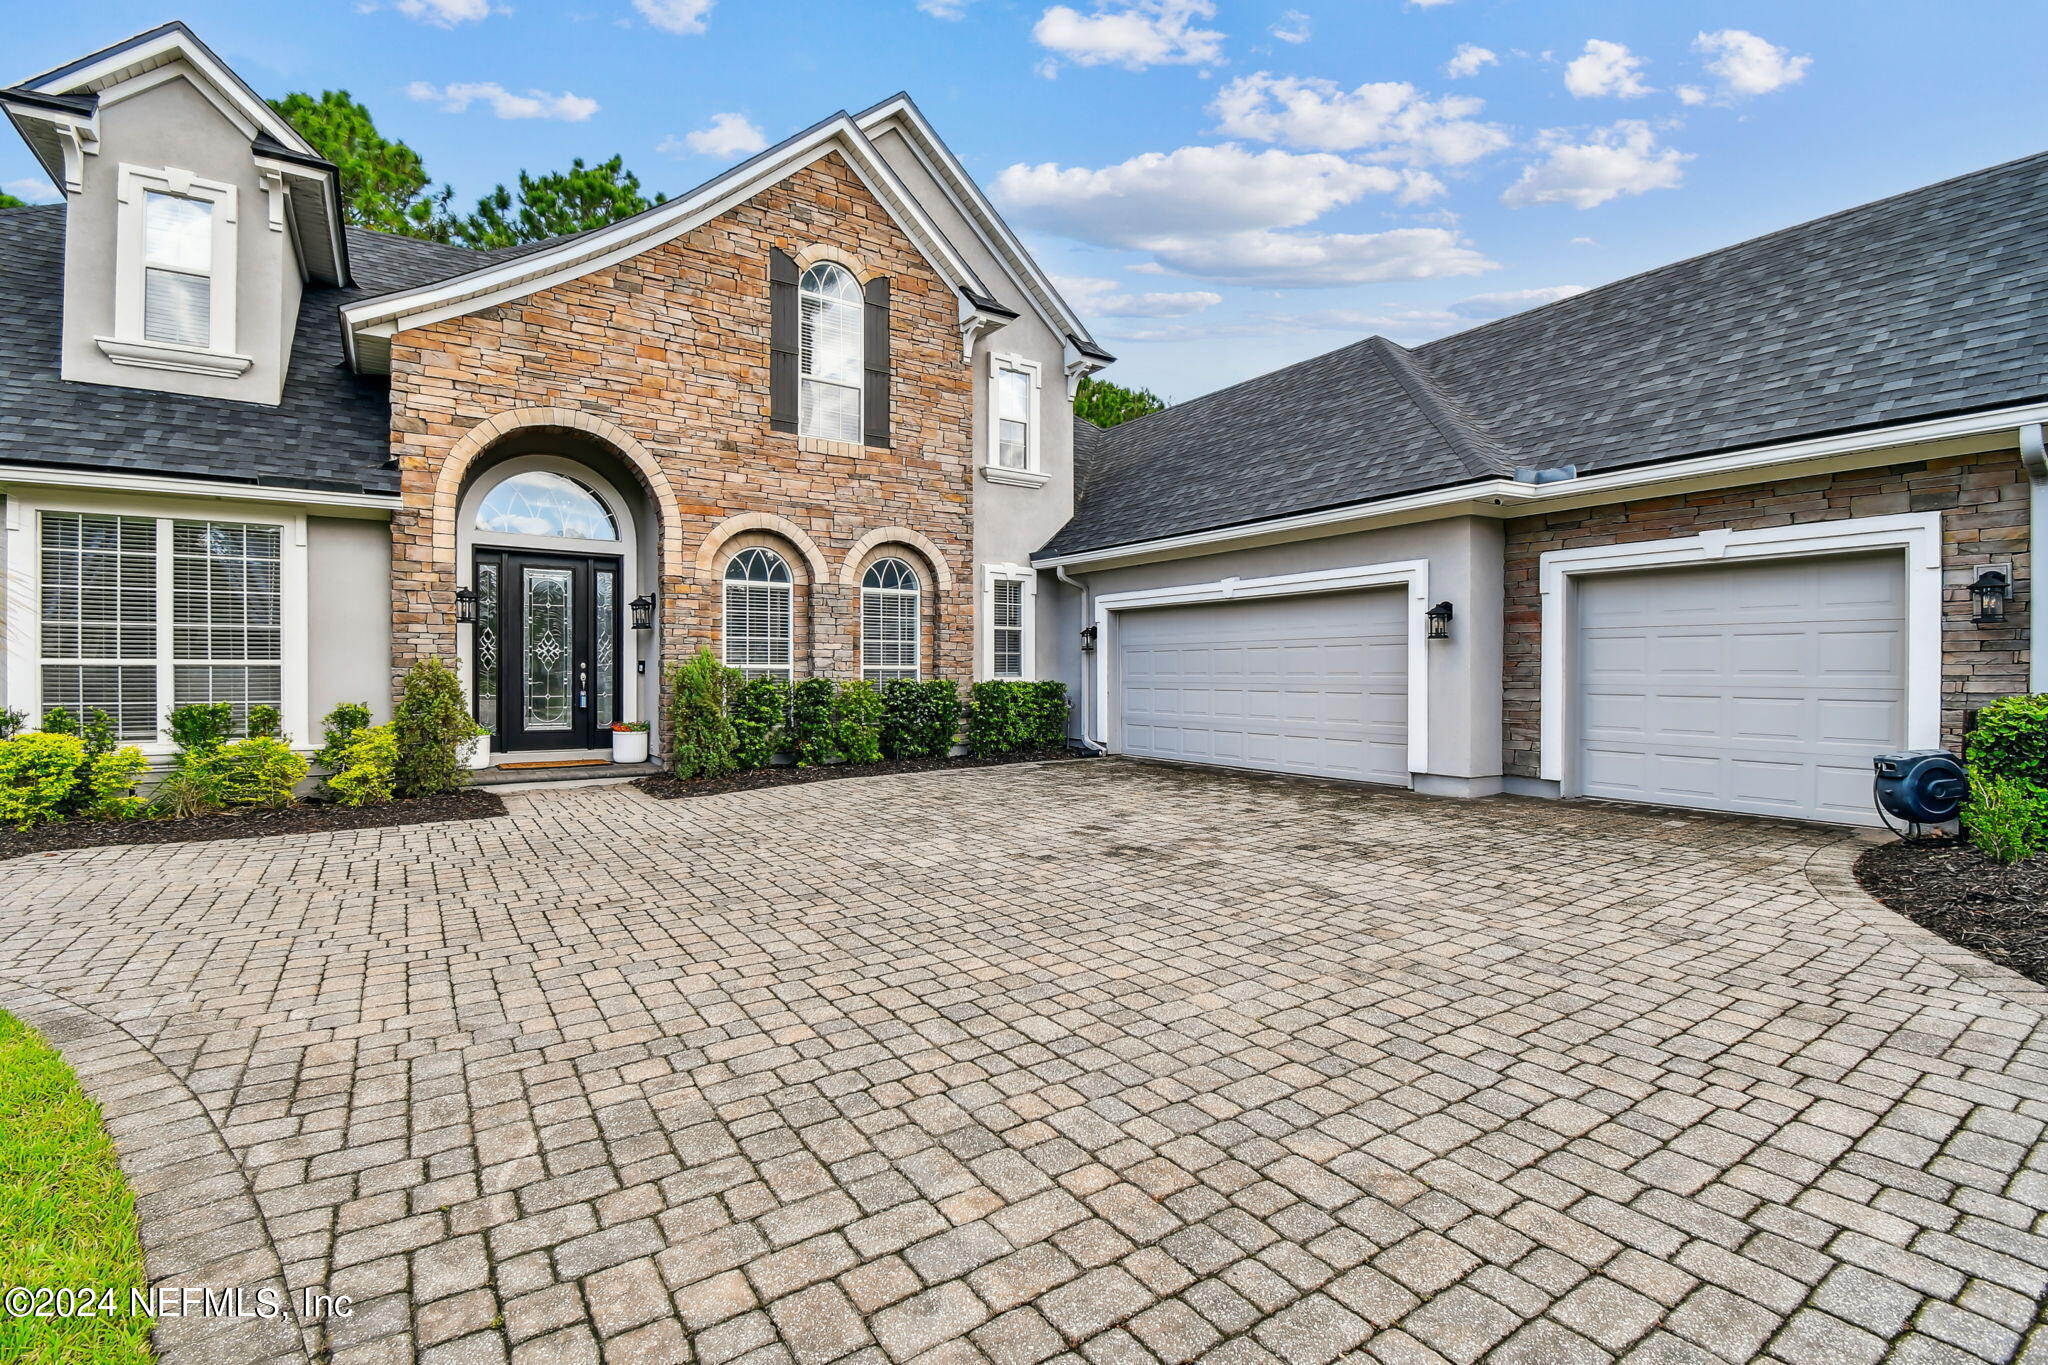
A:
<point x="1925" y="304"/>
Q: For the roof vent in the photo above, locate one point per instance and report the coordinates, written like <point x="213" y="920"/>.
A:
<point x="1558" y="474"/>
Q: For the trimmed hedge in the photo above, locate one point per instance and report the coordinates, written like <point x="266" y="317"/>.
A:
<point x="919" y="718"/>
<point x="810" y="735"/>
<point x="760" y="712"/>
<point x="1013" y="717"/>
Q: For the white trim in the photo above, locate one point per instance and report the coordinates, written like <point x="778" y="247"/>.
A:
<point x="165" y="355"/>
<point x="1918" y="534"/>
<point x="916" y="596"/>
<point x="1411" y="574"/>
<point x="129" y="345"/>
<point x="1027" y="615"/>
<point x="170" y="486"/>
<point x="1020" y="478"/>
<point x="24" y="599"/>
<point x="1510" y="498"/>
<point x="992" y="468"/>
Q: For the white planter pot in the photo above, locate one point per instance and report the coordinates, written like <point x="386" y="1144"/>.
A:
<point x="629" y="746"/>
<point x="479" y="755"/>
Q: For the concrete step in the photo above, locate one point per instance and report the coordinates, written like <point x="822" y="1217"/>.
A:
<point x="600" y="772"/>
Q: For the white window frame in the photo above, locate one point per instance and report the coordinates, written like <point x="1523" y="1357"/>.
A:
<point x="1033" y="474"/>
<point x="860" y="357"/>
<point x="1918" y="534"/>
<point x="128" y="345"/>
<point x="788" y="590"/>
<point x="916" y="596"/>
<point x="992" y="574"/>
<point x="25" y="598"/>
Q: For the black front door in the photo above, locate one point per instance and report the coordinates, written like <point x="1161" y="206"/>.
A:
<point x="547" y="647"/>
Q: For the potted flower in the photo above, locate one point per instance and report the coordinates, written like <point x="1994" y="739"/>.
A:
<point x="629" y="741"/>
<point x="477" y="751"/>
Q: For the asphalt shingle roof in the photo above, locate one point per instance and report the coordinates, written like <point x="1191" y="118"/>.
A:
<point x="1927" y="303"/>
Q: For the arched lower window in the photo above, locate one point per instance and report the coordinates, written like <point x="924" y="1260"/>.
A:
<point x="828" y="353"/>
<point x="889" y="621"/>
<point x="541" y="503"/>
<point x="757" y="616"/>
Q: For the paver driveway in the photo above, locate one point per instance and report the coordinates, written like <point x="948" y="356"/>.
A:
<point x="1013" y="1062"/>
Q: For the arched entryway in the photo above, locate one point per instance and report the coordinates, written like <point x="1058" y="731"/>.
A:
<point x="555" y="538"/>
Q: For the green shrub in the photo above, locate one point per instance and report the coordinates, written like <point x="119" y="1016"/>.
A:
<point x="810" y="722"/>
<point x="99" y="734"/>
<point x="265" y="722"/>
<point x="760" y="707"/>
<point x="108" y="781"/>
<point x="248" y="772"/>
<point x="181" y="795"/>
<point x="98" y="737"/>
<point x="996" y="719"/>
<point x="2010" y="739"/>
<point x="11" y="722"/>
<point x="857" y="722"/>
<point x="433" y="728"/>
<point x="59" y="721"/>
<point x="364" y="767"/>
<point x="338" y="731"/>
<point x="920" y="719"/>
<point x="702" y="740"/>
<point x="2005" y="817"/>
<point x="1042" y="714"/>
<point x="37" y="774"/>
<point x="199" y="726"/>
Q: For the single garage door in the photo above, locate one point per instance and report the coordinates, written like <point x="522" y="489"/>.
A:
<point x="1760" y="687"/>
<point x="1316" y="685"/>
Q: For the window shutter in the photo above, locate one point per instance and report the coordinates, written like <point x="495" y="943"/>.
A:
<point x="876" y="409"/>
<point x="782" y="340"/>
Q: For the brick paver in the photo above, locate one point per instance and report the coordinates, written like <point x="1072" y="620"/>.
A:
<point x="1072" y="1062"/>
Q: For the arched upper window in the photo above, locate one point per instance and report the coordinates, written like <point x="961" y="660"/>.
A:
<point x="541" y="503"/>
<point x="757" y="614"/>
<point x="829" y="353"/>
<point x="889" y="635"/>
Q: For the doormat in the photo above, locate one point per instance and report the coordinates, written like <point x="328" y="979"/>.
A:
<point x="561" y="763"/>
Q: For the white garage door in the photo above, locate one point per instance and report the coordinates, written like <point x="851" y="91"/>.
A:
<point x="1762" y="687"/>
<point x="1315" y="685"/>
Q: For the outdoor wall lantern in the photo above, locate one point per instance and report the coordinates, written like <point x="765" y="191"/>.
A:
<point x="465" y="606"/>
<point x="1988" y="596"/>
<point x="1439" y="618"/>
<point x="643" y="611"/>
<point x="1088" y="640"/>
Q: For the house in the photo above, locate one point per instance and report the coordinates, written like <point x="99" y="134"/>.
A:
<point x="1710" y="536"/>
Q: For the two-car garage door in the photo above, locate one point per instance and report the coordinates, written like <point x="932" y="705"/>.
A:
<point x="1762" y="687"/>
<point x="1314" y="684"/>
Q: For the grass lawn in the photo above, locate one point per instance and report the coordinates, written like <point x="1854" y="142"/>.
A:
<point x="67" y="1218"/>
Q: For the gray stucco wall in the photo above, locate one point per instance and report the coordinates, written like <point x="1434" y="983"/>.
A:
<point x="172" y="125"/>
<point x="348" y="641"/>
<point x="1465" y="568"/>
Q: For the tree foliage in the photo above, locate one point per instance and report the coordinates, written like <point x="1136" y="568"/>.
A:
<point x="384" y="184"/>
<point x="555" y="204"/>
<point x="8" y="201"/>
<point x="1106" y="404"/>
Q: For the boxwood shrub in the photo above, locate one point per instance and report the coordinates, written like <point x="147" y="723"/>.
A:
<point x="857" y="722"/>
<point x="920" y="718"/>
<point x="810" y="736"/>
<point x="760" y="710"/>
<point x="2010" y="740"/>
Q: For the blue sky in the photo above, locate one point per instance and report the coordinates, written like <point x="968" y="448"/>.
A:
<point x="1222" y="186"/>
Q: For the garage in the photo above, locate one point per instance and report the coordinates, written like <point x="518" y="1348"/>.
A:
<point x="1314" y="684"/>
<point x="1761" y="687"/>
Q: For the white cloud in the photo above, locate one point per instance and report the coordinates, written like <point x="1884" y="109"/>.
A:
<point x="728" y="135"/>
<point x="1292" y="28"/>
<point x="1623" y="159"/>
<point x="675" y="16"/>
<point x="1428" y="4"/>
<point x="1106" y="299"/>
<point x="944" y="9"/>
<point x="444" y="13"/>
<point x="1467" y="60"/>
<point x="1690" y="94"/>
<point x="1606" y="69"/>
<point x="1135" y="35"/>
<point x="1316" y="260"/>
<point x="34" y="189"/>
<point x="1485" y="307"/>
<point x="1387" y="116"/>
<point x="1746" y="64"/>
<point x="1582" y="241"/>
<point x="505" y="103"/>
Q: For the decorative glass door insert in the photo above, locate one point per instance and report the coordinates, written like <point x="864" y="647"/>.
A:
<point x="550" y="650"/>
<point x="546" y="649"/>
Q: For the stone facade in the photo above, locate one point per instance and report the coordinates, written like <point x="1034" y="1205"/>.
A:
<point x="1983" y="502"/>
<point x="664" y="358"/>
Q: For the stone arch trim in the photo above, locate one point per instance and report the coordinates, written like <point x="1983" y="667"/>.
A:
<point x="715" y="539"/>
<point x="934" y="558"/>
<point x="809" y="254"/>
<point x="481" y="437"/>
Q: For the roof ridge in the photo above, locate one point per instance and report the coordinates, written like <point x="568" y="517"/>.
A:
<point x="1480" y="454"/>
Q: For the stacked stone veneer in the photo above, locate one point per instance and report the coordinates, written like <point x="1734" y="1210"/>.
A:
<point x="1983" y="502"/>
<point x="664" y="359"/>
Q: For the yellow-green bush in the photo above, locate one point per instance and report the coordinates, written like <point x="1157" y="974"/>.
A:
<point x="37" y="774"/>
<point x="369" y="763"/>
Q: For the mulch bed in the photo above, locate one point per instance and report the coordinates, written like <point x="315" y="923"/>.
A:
<point x="667" y="788"/>
<point x="1998" y="911"/>
<point x="306" y="817"/>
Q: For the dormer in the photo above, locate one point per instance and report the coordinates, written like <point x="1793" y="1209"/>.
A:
<point x="195" y="217"/>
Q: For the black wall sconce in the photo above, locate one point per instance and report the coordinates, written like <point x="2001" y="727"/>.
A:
<point x="1439" y="618"/>
<point x="1088" y="639"/>
<point x="1988" y="596"/>
<point x="643" y="611"/>
<point x="465" y="606"/>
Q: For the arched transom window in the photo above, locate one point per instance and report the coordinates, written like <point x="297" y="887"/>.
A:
<point x="541" y="503"/>
<point x="828" y="353"/>
<point x="889" y="594"/>
<point x="757" y="616"/>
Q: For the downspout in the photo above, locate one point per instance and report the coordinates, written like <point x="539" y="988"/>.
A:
<point x="1088" y="739"/>
<point x="2034" y="455"/>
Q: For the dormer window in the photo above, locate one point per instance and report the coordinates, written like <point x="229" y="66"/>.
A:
<point x="829" y="353"/>
<point x="177" y="259"/>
